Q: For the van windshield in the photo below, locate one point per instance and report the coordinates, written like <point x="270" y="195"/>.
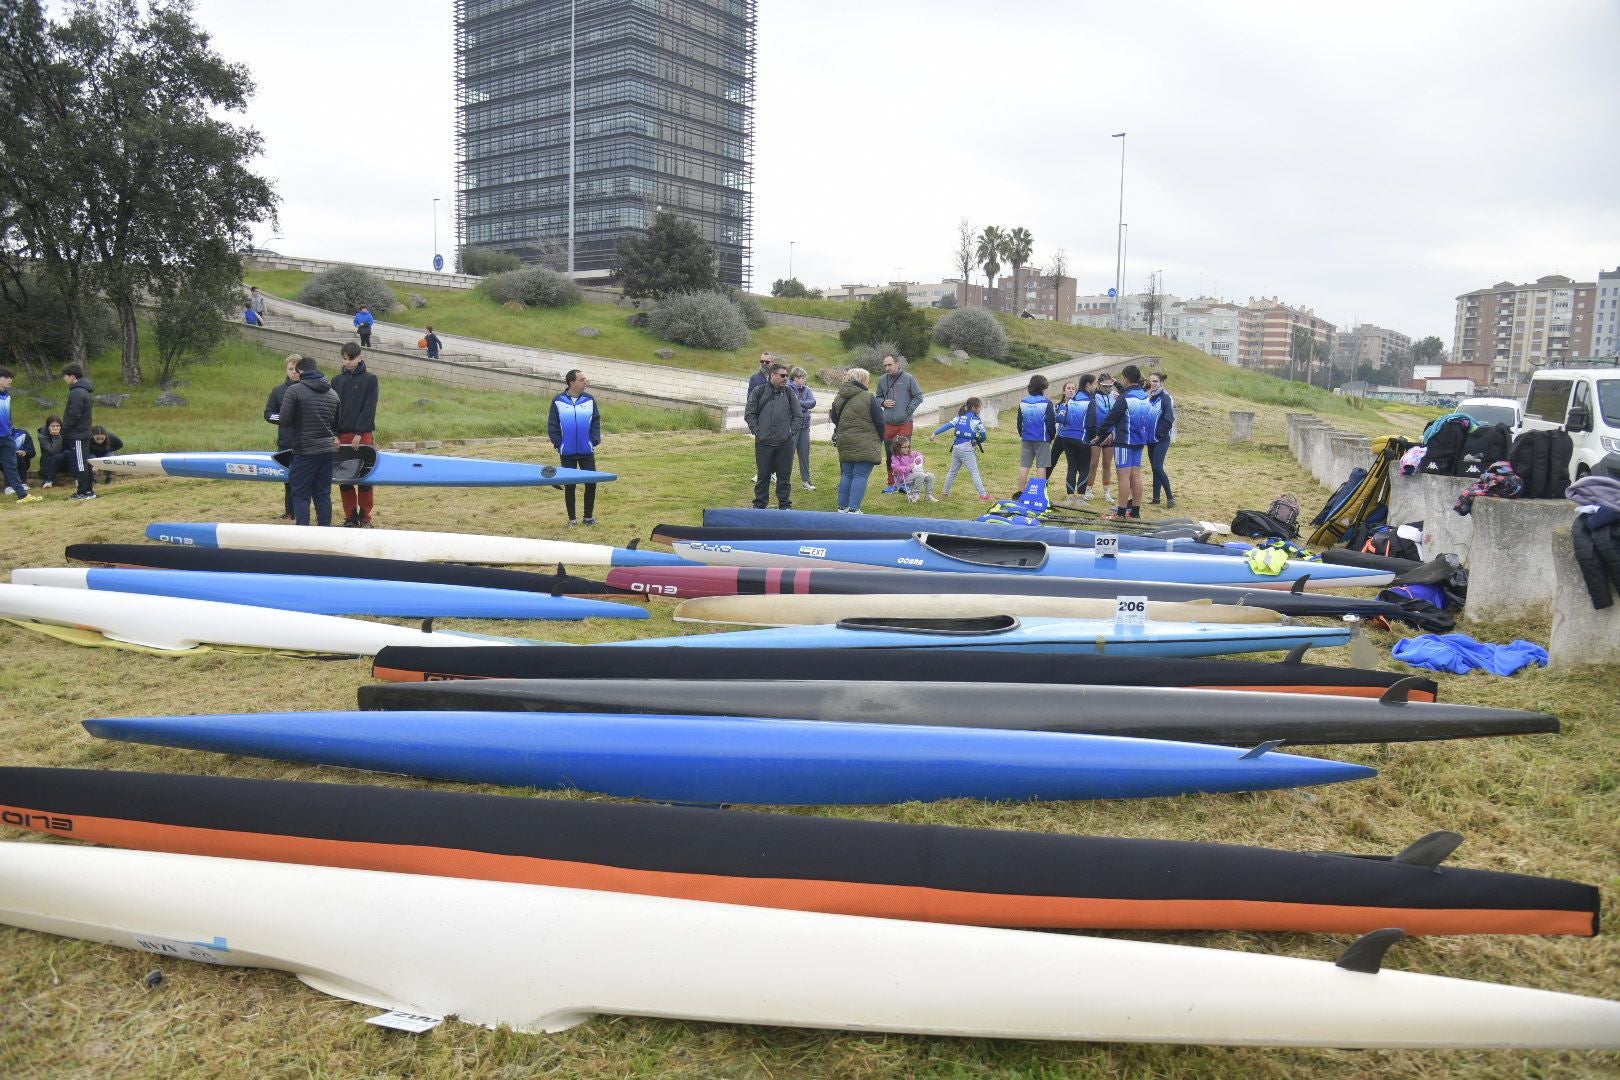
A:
<point x="1491" y="414"/>
<point x="1609" y="401"/>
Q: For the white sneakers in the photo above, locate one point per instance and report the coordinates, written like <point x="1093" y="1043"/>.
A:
<point x="808" y="486"/>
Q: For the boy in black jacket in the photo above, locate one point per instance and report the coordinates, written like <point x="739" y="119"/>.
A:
<point x="309" y="410"/>
<point x="81" y="402"/>
<point x="356" y="425"/>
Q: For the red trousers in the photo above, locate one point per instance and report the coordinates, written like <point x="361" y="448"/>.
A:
<point x="356" y="497"/>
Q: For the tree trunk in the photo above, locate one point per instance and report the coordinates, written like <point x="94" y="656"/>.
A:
<point x="78" y="350"/>
<point x="132" y="341"/>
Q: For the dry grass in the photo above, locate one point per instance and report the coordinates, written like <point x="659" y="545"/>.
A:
<point x="1544" y="804"/>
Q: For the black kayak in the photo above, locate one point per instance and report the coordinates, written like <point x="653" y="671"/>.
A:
<point x="176" y="557"/>
<point x="415" y="663"/>
<point x="686" y="582"/>
<point x="939" y="873"/>
<point x="1222" y="717"/>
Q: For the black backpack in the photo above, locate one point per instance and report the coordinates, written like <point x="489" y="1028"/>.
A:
<point x="1484" y="448"/>
<point x="1257" y="523"/>
<point x="1446" y="447"/>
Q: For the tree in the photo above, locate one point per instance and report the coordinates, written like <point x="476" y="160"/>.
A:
<point x="482" y="261"/>
<point x="1017" y="249"/>
<point x="190" y="319"/>
<point x="1429" y="350"/>
<point x="988" y="253"/>
<point x="789" y="289"/>
<point x="964" y="257"/>
<point x="37" y="329"/>
<point x="127" y="107"/>
<point x="672" y="258"/>
<point x="1151" y="304"/>
<point x="888" y="316"/>
<point x="1300" y="346"/>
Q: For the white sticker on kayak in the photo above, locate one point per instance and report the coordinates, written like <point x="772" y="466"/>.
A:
<point x="1107" y="545"/>
<point x="404" y="1021"/>
<point x="1130" y="610"/>
<point x="202" y="952"/>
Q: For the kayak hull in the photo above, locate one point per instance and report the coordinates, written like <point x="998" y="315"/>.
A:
<point x="715" y="760"/>
<point x="385" y="468"/>
<point x="992" y="877"/>
<point x="810" y="610"/>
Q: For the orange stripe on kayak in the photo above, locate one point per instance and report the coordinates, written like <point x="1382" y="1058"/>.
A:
<point x="837" y="897"/>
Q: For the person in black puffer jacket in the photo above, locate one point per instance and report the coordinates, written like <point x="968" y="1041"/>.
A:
<point x="309" y="409"/>
<point x="356" y="425"/>
<point x="81" y="403"/>
<point x="284" y="436"/>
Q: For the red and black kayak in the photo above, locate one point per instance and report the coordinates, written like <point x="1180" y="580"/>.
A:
<point x="686" y="582"/>
<point x="1292" y="676"/>
<point x="236" y="561"/>
<point x="920" y="872"/>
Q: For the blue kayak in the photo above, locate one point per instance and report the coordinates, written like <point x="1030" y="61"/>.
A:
<point x="711" y="759"/>
<point x="333" y="596"/>
<point x="355" y="465"/>
<point x="931" y="551"/>
<point x="748" y="518"/>
<point x="1003" y="633"/>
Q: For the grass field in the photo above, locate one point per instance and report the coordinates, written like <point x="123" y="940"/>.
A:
<point x="1543" y="805"/>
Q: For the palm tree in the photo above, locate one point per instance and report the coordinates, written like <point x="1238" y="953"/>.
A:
<point x="1017" y="247"/>
<point x="991" y="242"/>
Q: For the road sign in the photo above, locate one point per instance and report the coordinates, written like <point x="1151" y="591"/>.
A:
<point x="438" y="262"/>
<point x="1112" y="293"/>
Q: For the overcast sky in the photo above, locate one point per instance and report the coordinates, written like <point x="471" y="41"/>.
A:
<point x="1370" y="160"/>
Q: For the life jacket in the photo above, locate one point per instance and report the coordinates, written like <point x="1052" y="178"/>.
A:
<point x="968" y="429"/>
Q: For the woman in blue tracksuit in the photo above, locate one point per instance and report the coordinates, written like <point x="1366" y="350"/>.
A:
<point x="1160" y="446"/>
<point x="1072" y="418"/>
<point x="1133" y="422"/>
<point x="575" y="427"/>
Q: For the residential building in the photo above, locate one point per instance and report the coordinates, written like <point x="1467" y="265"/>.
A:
<point x="1095" y="309"/>
<point x="1266" y="334"/>
<point x="1212" y="326"/>
<point x="1517" y="328"/>
<point x="1368" y="344"/>
<point x="1042" y="295"/>
<point x="921" y="294"/>
<point x="1098" y="310"/>
<point x="663" y="118"/>
<point x="1606" y="317"/>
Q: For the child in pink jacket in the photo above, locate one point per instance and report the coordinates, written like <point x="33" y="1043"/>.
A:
<point x="909" y="474"/>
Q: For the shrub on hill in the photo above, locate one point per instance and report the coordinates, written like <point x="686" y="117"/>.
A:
<point x="973" y="330"/>
<point x="871" y="356"/>
<point x="749" y="309"/>
<point x="346" y="289"/>
<point x="888" y="317"/>
<point x="703" y="320"/>
<point x="480" y="261"/>
<point x="1028" y="357"/>
<point x="533" y="286"/>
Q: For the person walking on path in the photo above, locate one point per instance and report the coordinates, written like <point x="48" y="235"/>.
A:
<point x="969" y="434"/>
<point x="251" y="317"/>
<point x="309" y="409"/>
<point x="8" y="445"/>
<point x="1101" y="402"/>
<point x="362" y="325"/>
<point x="858" y="430"/>
<point x="256" y="302"/>
<point x="1131" y="423"/>
<point x="898" y="395"/>
<point x="76" y="424"/>
<point x="799" y="380"/>
<point x="1037" y="427"/>
<point x="774" y="416"/>
<point x="356" y="389"/>
<point x="1072" y="416"/>
<point x="434" y="345"/>
<point x="1163" y="436"/>
<point x="284" y="436"/>
<point x="575" y="427"/>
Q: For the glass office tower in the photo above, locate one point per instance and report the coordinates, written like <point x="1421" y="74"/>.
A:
<point x="663" y="118"/>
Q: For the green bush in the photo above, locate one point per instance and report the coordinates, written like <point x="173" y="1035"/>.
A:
<point x="973" y="330"/>
<point x="871" y="356"/>
<point x="888" y="316"/>
<point x="1028" y="357"/>
<point x="533" y="286"/>
<point x="346" y="289"/>
<point x="480" y="261"/>
<point x="749" y="308"/>
<point x="703" y="320"/>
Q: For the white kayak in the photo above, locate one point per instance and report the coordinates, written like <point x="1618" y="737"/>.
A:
<point x="540" y="958"/>
<point x="809" y="609"/>
<point x="160" y="622"/>
<point x="409" y="544"/>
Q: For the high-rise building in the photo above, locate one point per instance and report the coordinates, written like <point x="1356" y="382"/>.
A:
<point x="1266" y="335"/>
<point x="662" y="102"/>
<point x="1516" y="328"/>
<point x="1606" y="320"/>
<point x="1041" y="294"/>
<point x="1212" y="326"/>
<point x="1368" y="344"/>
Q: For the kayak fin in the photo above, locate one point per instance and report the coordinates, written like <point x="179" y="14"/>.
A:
<point x="1430" y="850"/>
<point x="562" y="571"/>
<point x="1399" y="692"/>
<point x="1264" y="748"/>
<point x="1296" y="655"/>
<point x="1366" y="953"/>
<point x="1298" y="588"/>
<point x="635" y="543"/>
<point x="427" y="625"/>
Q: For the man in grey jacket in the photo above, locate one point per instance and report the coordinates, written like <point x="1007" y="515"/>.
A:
<point x="899" y="395"/>
<point x="309" y="408"/>
<point x="774" y="416"/>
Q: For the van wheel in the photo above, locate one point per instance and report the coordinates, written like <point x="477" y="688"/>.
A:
<point x="1582" y="471"/>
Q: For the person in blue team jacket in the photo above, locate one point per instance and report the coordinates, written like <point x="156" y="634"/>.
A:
<point x="1133" y="421"/>
<point x="1037" y="427"/>
<point x="575" y="427"/>
<point x="363" y="320"/>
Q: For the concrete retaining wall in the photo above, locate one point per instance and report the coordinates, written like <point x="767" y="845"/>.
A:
<point x="1431" y="499"/>
<point x="1510" y="567"/>
<point x="1582" y="636"/>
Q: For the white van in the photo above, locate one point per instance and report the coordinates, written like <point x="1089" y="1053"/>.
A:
<point x="1493" y="410"/>
<point x="1585" y="401"/>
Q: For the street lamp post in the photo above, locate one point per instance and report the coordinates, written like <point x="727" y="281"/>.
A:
<point x="790" y="258"/>
<point x="1124" y="255"/>
<point x="435" y="227"/>
<point x="1119" y="239"/>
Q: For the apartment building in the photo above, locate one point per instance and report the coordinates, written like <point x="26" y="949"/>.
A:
<point x="1516" y="328"/>
<point x="1266" y="332"/>
<point x="1211" y="326"/>
<point x="1366" y="343"/>
<point x="1606" y="318"/>
<point x="1042" y="295"/>
<point x="921" y="294"/>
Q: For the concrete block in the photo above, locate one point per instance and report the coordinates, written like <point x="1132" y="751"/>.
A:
<point x="1510" y="558"/>
<point x="1430" y="499"/>
<point x="1582" y="636"/>
<point x="1242" y="426"/>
